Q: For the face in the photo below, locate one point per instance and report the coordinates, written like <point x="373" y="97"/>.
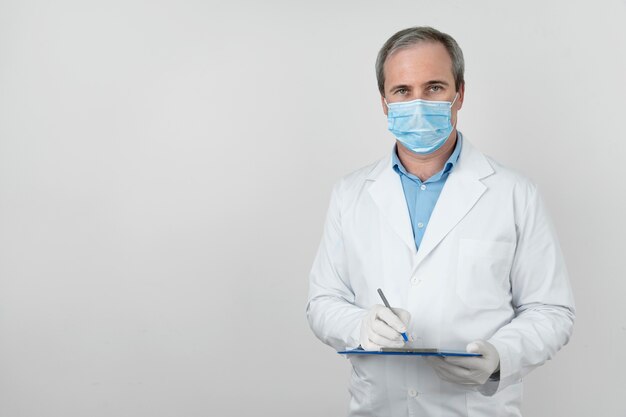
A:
<point x="423" y="71"/>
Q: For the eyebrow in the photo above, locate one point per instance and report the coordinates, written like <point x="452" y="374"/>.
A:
<point x="431" y="82"/>
<point x="405" y="86"/>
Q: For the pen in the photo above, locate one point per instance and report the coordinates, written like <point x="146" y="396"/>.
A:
<point x="380" y="292"/>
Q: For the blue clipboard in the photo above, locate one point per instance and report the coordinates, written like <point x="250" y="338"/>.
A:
<point x="407" y="352"/>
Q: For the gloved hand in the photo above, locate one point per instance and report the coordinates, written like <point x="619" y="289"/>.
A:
<point x="468" y="370"/>
<point x="381" y="327"/>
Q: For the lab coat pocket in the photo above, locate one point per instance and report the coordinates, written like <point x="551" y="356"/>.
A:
<point x="359" y="393"/>
<point x="479" y="405"/>
<point x="483" y="273"/>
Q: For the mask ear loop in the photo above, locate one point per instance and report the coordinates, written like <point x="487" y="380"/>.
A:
<point x="452" y="104"/>
<point x="454" y="101"/>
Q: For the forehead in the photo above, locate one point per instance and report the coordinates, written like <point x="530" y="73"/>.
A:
<point x="418" y="64"/>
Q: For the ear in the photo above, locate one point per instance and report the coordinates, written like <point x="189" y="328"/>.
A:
<point x="382" y="101"/>
<point x="459" y="101"/>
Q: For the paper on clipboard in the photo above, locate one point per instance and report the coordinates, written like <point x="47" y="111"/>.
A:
<point x="407" y="352"/>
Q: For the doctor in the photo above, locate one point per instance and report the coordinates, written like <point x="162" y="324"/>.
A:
<point x="461" y="245"/>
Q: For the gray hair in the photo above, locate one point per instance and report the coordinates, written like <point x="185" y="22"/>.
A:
<point x="412" y="36"/>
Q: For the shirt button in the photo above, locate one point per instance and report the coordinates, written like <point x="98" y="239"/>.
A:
<point x="412" y="393"/>
<point x="420" y="225"/>
<point x="423" y="187"/>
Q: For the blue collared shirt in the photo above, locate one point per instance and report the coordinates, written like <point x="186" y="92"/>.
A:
<point x="421" y="197"/>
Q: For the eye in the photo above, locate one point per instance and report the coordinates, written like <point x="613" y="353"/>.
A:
<point x="435" y="88"/>
<point x="401" y="91"/>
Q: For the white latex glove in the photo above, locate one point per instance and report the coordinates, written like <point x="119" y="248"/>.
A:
<point x="381" y="327"/>
<point x="470" y="370"/>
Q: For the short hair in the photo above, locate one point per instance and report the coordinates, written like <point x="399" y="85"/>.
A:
<point x="412" y="36"/>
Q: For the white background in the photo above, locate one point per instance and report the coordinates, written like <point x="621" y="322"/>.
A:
<point x="165" y="168"/>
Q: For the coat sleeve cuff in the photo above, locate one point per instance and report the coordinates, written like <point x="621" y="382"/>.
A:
<point x="508" y="375"/>
<point x="354" y="339"/>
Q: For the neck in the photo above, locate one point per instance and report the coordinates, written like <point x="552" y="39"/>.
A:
<point x="425" y="166"/>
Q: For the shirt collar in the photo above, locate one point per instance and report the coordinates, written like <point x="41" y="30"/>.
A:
<point x="448" y="166"/>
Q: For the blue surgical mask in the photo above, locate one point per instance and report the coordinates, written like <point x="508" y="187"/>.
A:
<point x="422" y="126"/>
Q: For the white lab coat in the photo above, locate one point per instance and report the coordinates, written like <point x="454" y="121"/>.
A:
<point x="489" y="267"/>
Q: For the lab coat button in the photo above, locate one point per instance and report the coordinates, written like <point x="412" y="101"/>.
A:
<point x="414" y="281"/>
<point x="412" y="393"/>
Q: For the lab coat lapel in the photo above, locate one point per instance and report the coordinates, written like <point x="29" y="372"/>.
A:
<point x="387" y="193"/>
<point x="462" y="190"/>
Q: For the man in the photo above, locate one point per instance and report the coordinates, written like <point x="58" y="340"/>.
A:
<point x="461" y="246"/>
